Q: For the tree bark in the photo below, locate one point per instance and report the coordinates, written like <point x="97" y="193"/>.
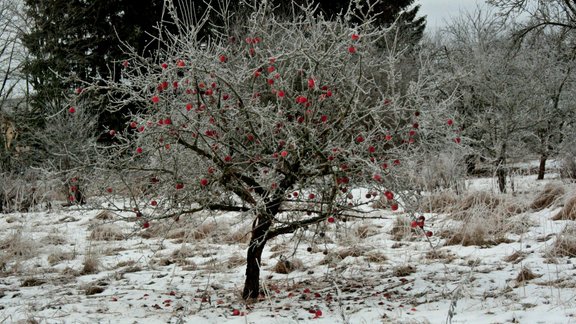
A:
<point x="501" y="168"/>
<point x="254" y="257"/>
<point x="501" y="173"/>
<point x="542" y="167"/>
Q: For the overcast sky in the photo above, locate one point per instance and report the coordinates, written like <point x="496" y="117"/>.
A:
<point x="440" y="10"/>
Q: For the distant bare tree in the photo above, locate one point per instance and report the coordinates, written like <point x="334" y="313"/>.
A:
<point x="12" y="56"/>
<point x="535" y="15"/>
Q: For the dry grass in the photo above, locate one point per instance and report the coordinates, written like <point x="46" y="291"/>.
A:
<point x="403" y="271"/>
<point x="96" y="287"/>
<point x="14" y="249"/>
<point x="59" y="256"/>
<point x="473" y="202"/>
<point x="437" y="254"/>
<point x="515" y="257"/>
<point x="479" y="198"/>
<point x="183" y="252"/>
<point x="156" y="229"/>
<point x="288" y="266"/>
<point x="18" y="246"/>
<point x="365" y="230"/>
<point x="104" y="215"/>
<point x="32" y="282"/>
<point x="486" y="220"/>
<point x="376" y="257"/>
<point x="473" y="236"/>
<point x="91" y="263"/>
<point x="333" y="258"/>
<point x="565" y="243"/>
<point x="439" y="202"/>
<point x="235" y="261"/>
<point x="526" y="274"/>
<point x="568" y="212"/>
<point x="401" y="229"/>
<point x="205" y="230"/>
<point x="239" y="236"/>
<point x="550" y="194"/>
<point x="107" y="232"/>
<point x="53" y="239"/>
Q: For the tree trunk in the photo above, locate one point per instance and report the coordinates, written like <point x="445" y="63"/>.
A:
<point x="542" y="167"/>
<point x="254" y="257"/>
<point x="501" y="173"/>
<point x="501" y="168"/>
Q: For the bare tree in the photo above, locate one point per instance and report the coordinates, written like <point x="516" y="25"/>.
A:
<point x="512" y="99"/>
<point x="12" y="55"/>
<point x="537" y="15"/>
<point x="297" y="122"/>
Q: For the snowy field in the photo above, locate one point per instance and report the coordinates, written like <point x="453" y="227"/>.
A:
<point x="485" y="262"/>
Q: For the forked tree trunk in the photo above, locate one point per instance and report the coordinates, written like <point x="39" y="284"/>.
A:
<point x="542" y="167"/>
<point x="254" y="258"/>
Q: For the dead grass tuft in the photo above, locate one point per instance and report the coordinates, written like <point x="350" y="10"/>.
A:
<point x="333" y="258"/>
<point x="351" y="252"/>
<point x="96" y="287"/>
<point x="486" y="220"/>
<point x="59" y="256"/>
<point x="403" y="271"/>
<point x="376" y="257"/>
<point x="235" y="261"/>
<point x="104" y="215"/>
<point x="439" y="202"/>
<point x="18" y="246"/>
<point x="91" y="264"/>
<point x="475" y="235"/>
<point x="526" y="275"/>
<point x="287" y="266"/>
<point x="239" y="236"/>
<point x="157" y="229"/>
<point x="568" y="212"/>
<point x="32" y="282"/>
<point x="565" y="243"/>
<point x="550" y="194"/>
<point x="479" y="198"/>
<point x="107" y="232"/>
<point x="401" y="229"/>
<point x="365" y="230"/>
<point x="515" y="257"/>
<point x="204" y="230"/>
<point x="183" y="252"/>
<point x="53" y="239"/>
<point x="437" y="254"/>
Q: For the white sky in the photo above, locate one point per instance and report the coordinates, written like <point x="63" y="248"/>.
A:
<point x="440" y="10"/>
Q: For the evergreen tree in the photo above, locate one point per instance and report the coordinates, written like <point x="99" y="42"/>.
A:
<point x="386" y="13"/>
<point x="74" y="41"/>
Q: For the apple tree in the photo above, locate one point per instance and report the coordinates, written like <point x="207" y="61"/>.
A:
<point x="284" y="119"/>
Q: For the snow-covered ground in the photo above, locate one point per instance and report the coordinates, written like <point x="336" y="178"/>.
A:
<point x="84" y="266"/>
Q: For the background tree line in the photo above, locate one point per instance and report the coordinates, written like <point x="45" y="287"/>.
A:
<point x="514" y="80"/>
